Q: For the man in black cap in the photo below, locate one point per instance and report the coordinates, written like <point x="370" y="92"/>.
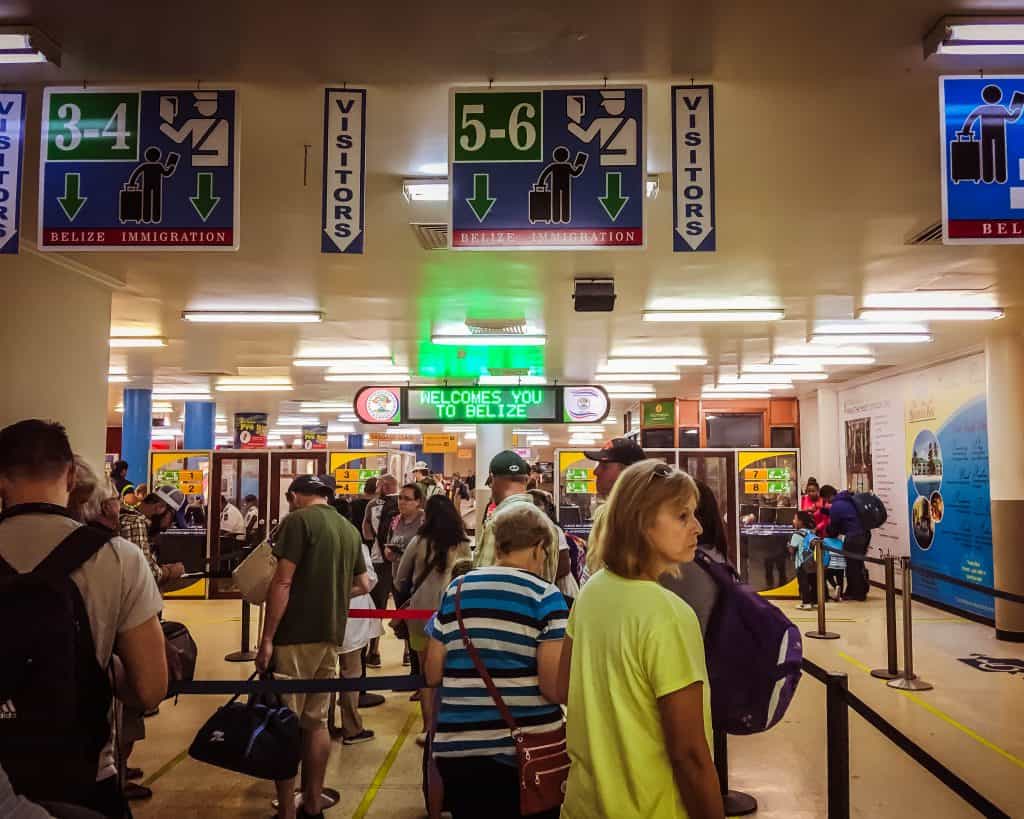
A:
<point x="612" y="458"/>
<point x="320" y="567"/>
<point x="510" y="475"/>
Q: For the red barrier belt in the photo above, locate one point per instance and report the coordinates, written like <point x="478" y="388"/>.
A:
<point x="390" y="614"/>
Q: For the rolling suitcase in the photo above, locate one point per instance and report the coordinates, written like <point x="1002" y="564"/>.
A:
<point x="540" y="204"/>
<point x="965" y="159"/>
<point x="129" y="205"/>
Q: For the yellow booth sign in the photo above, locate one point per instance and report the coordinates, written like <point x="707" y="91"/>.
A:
<point x="440" y="442"/>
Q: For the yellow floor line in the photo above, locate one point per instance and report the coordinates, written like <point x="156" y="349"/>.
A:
<point x="167" y="766"/>
<point x="931" y="709"/>
<point x="385" y="767"/>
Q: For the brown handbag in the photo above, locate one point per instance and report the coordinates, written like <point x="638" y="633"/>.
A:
<point x="543" y="756"/>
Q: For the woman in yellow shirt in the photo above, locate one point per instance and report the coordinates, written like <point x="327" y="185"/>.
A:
<point x="632" y="667"/>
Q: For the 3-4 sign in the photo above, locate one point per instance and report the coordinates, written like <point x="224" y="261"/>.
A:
<point x="126" y="168"/>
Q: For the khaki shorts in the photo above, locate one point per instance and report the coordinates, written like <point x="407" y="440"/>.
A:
<point x="307" y="661"/>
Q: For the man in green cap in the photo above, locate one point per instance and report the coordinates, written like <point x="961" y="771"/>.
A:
<point x="509" y="477"/>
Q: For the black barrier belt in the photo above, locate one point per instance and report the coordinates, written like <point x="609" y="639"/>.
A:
<point x="925" y="759"/>
<point x="854" y="555"/>
<point x="1005" y="595"/>
<point x="400" y="682"/>
<point x="912" y="749"/>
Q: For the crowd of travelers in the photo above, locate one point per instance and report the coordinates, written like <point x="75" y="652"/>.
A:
<point x="593" y="651"/>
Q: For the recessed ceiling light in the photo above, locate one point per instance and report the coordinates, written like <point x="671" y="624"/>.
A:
<point x="715" y="316"/>
<point x="253" y="316"/>
<point x="119" y="342"/>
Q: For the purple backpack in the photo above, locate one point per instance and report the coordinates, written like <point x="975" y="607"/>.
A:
<point x="753" y="653"/>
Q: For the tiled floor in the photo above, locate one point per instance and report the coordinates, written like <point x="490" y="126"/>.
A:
<point x="971" y="722"/>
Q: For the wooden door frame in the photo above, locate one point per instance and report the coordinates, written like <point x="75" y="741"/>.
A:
<point x="217" y="459"/>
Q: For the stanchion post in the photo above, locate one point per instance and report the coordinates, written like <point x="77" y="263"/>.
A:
<point x="909" y="681"/>
<point x="891" y="671"/>
<point x="246" y="654"/>
<point x="821" y="633"/>
<point x="837" y="737"/>
<point x="736" y="803"/>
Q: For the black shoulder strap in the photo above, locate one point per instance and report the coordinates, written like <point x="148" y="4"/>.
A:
<point x="74" y="550"/>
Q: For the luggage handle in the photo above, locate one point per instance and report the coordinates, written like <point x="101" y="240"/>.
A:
<point x="961" y="136"/>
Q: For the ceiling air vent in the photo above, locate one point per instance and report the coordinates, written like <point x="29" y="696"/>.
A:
<point x="493" y="327"/>
<point x="931" y="235"/>
<point x="431" y="235"/>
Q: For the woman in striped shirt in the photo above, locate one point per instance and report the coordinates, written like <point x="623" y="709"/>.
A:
<point x="516" y="620"/>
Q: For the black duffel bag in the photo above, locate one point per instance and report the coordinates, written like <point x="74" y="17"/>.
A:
<point x="259" y="738"/>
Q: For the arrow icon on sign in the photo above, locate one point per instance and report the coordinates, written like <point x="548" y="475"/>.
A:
<point x="482" y="202"/>
<point x="613" y="201"/>
<point x="71" y="203"/>
<point x="204" y="201"/>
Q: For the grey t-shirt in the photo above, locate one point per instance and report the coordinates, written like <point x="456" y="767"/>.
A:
<point x="695" y="586"/>
<point x="116" y="585"/>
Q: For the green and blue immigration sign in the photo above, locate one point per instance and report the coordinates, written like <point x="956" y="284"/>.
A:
<point x="547" y="168"/>
<point x="131" y="169"/>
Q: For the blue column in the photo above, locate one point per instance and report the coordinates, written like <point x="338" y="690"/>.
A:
<point x="355" y="440"/>
<point x="137" y="433"/>
<point x="200" y="424"/>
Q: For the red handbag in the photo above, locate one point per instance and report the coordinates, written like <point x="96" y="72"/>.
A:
<point x="543" y="756"/>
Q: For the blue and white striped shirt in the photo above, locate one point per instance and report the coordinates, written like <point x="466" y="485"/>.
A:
<point x="507" y="612"/>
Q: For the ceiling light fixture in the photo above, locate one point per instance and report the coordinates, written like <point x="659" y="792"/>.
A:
<point x="27" y="44"/>
<point x="613" y="378"/>
<point x="254" y="388"/>
<point x="715" y="316"/>
<point x="976" y="35"/>
<point x="372" y="362"/>
<point x="114" y="378"/>
<point x="898" y="314"/>
<point x="403" y="431"/>
<point x="634" y="393"/>
<point x="872" y="338"/>
<point x="824" y="360"/>
<point x="425" y="190"/>
<point x="621" y="364"/>
<point x="367" y="378"/>
<point x="512" y="380"/>
<point x="489" y="339"/>
<point x="757" y="378"/>
<point x="735" y="395"/>
<point x="121" y="342"/>
<point x="253" y="316"/>
<point x="780" y="369"/>
<point x="725" y="388"/>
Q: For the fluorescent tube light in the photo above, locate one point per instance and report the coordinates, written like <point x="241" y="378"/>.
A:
<point x="157" y="408"/>
<point x="873" y="338"/>
<point x="367" y="378"/>
<point x="757" y="378"/>
<point x="735" y="395"/>
<point x="652" y="186"/>
<point x="452" y="428"/>
<point x="615" y="389"/>
<point x="254" y="388"/>
<point x="783" y="369"/>
<point x="324" y="406"/>
<point x="253" y="316"/>
<point x="121" y="342"/>
<point x="650" y="364"/>
<point x="337" y="439"/>
<point x="722" y="315"/>
<point x="635" y="394"/>
<point x="976" y="35"/>
<point x="390" y="369"/>
<point x="184" y="396"/>
<point x="375" y="363"/>
<point x="180" y="389"/>
<point x="113" y="378"/>
<point x="931" y="313"/>
<point x="489" y="340"/>
<point x="612" y="378"/>
<point x="339" y="428"/>
<point x="402" y="431"/>
<point x="512" y="380"/>
<point x="26" y="44"/>
<point x="425" y="190"/>
<point x="819" y="351"/>
<point x="826" y="360"/>
<point x="112" y="370"/>
<point x="726" y="387"/>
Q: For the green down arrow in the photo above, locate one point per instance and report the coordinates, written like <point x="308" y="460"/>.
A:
<point x="204" y="201"/>
<point x="613" y="201"/>
<point x="482" y="202"/>
<point x="71" y="203"/>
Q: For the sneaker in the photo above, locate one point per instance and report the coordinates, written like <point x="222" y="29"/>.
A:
<point x="362" y="736"/>
<point x="373" y="660"/>
<point x="806" y="606"/>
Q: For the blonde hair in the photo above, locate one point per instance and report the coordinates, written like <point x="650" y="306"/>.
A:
<point x="618" y="539"/>
<point x="85" y="502"/>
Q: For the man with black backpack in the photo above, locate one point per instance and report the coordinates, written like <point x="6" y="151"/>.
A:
<point x="845" y="520"/>
<point x="55" y="574"/>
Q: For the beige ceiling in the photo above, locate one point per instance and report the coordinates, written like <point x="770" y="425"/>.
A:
<point x="826" y="155"/>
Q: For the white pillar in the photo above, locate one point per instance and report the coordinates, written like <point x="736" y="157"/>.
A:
<point x="490" y="440"/>
<point x="56" y="355"/>
<point x="1004" y="366"/>
<point x="830" y="439"/>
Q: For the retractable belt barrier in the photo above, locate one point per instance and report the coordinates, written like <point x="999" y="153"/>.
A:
<point x="855" y="556"/>
<point x="838" y="699"/>
<point x="396" y="682"/>
<point x="967" y="584"/>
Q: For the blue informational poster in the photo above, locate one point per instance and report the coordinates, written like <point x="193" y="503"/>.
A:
<point x="547" y="169"/>
<point x="693" y="168"/>
<point x="981" y="132"/>
<point x="949" y="505"/>
<point x="12" y="152"/>
<point x="344" y="170"/>
<point x="133" y="169"/>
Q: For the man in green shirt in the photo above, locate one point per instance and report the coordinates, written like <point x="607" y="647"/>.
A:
<point x="319" y="567"/>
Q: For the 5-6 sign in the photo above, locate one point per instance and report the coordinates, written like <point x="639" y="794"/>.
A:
<point x="498" y="127"/>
